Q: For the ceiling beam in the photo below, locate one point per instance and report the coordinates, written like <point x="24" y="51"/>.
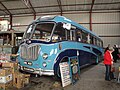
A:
<point x="5" y="8"/>
<point x="29" y="6"/>
<point x="73" y="11"/>
<point x="32" y="7"/>
<point x="90" y="18"/>
<point x="3" y="11"/>
<point x="92" y="5"/>
<point x="9" y="0"/>
<point x="34" y="12"/>
<point x="66" y="5"/>
<point x="60" y="6"/>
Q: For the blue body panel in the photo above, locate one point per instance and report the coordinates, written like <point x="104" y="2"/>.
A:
<point x="68" y="49"/>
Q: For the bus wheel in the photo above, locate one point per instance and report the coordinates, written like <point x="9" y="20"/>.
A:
<point x="58" y="74"/>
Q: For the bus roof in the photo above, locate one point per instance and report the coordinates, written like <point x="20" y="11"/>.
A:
<point x="66" y="20"/>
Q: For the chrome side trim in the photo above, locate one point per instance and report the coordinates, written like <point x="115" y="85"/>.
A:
<point x="38" y="71"/>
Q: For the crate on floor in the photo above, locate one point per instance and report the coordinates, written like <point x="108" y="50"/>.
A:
<point x="20" y="79"/>
<point x="12" y="65"/>
<point x="6" y="78"/>
<point x="26" y="79"/>
<point x="5" y="75"/>
<point x="6" y="86"/>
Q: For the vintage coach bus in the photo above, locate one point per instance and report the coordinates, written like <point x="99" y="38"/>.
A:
<point x="50" y="40"/>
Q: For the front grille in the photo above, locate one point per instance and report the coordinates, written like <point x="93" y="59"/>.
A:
<point x="29" y="52"/>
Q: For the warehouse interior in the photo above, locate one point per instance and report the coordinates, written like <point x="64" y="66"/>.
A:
<point x="99" y="16"/>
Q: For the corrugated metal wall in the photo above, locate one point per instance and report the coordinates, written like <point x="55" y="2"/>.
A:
<point x="106" y="25"/>
<point x="83" y="19"/>
<point x="20" y="23"/>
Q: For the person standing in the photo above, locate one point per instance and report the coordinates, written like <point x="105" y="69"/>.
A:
<point x="108" y="61"/>
<point x="107" y="48"/>
<point x="115" y="53"/>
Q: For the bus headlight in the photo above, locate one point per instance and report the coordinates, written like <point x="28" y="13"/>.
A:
<point x="29" y="63"/>
<point x="25" y="62"/>
<point x="44" y="64"/>
<point x="45" y="56"/>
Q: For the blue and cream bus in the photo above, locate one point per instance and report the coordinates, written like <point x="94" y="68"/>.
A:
<point x="51" y="40"/>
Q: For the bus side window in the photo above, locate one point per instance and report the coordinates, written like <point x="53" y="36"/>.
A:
<point x="72" y="35"/>
<point x="88" y="39"/>
<point x="101" y="43"/>
<point x="91" y="39"/>
<point x="98" y="42"/>
<point x="55" y="38"/>
<point x="78" y="36"/>
<point x="67" y="34"/>
<point x="84" y="37"/>
<point x="94" y="41"/>
<point x="59" y="33"/>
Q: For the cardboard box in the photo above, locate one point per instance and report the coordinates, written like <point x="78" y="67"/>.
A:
<point x="6" y="79"/>
<point x="26" y="79"/>
<point x="6" y="86"/>
<point x="18" y="80"/>
<point x="5" y="75"/>
<point x="12" y="65"/>
<point x="5" y="71"/>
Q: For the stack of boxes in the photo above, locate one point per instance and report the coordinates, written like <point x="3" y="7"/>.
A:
<point x="10" y="76"/>
<point x="20" y="80"/>
<point x="4" y="57"/>
<point x="5" y="78"/>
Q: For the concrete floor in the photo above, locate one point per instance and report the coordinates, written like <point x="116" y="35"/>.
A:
<point x="91" y="78"/>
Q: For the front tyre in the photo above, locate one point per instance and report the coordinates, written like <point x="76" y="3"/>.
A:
<point x="57" y="72"/>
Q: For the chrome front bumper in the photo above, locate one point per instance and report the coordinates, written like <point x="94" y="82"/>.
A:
<point x="38" y="71"/>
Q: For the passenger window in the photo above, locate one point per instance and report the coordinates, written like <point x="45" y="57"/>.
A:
<point x="78" y="36"/>
<point x="88" y="39"/>
<point x="94" y="41"/>
<point x="91" y="39"/>
<point x="84" y="37"/>
<point x="72" y="35"/>
<point x="101" y="43"/>
<point x="68" y="34"/>
<point x="59" y="33"/>
<point x="98" y="42"/>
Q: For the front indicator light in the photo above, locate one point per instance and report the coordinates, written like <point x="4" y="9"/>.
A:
<point x="44" y="64"/>
<point x="28" y="41"/>
<point x="45" y="56"/>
